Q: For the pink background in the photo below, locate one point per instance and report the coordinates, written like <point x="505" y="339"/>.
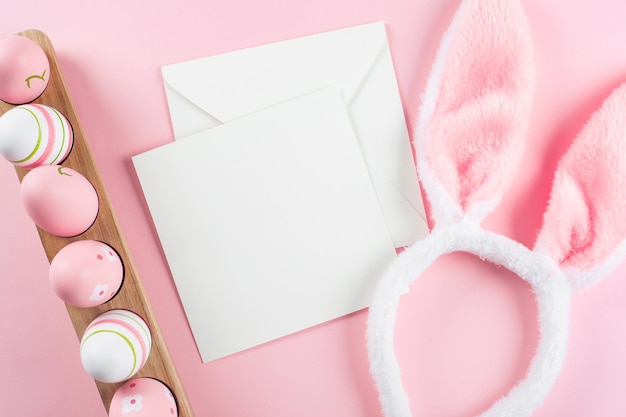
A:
<point x="467" y="330"/>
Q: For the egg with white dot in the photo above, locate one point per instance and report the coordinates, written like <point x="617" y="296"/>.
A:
<point x="143" y="397"/>
<point x="86" y="273"/>
<point x="35" y="134"/>
<point x="59" y="200"/>
<point x="24" y="69"/>
<point x="115" y="346"/>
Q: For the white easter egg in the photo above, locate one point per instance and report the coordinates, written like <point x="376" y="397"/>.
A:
<point x="115" y="346"/>
<point x="35" y="134"/>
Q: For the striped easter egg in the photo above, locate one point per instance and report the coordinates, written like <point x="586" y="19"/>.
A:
<point x="115" y="346"/>
<point x="35" y="134"/>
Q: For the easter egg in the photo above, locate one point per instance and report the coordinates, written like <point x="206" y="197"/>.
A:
<point x="24" y="70"/>
<point x="35" y="134"/>
<point x="143" y="397"/>
<point x="115" y="346"/>
<point x="59" y="200"/>
<point x="86" y="273"/>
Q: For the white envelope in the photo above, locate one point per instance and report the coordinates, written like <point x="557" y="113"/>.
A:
<point x="269" y="223"/>
<point x="206" y="92"/>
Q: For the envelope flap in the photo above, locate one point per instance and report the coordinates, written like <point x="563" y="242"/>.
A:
<point x="237" y="83"/>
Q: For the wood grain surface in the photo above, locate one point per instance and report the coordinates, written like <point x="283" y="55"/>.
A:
<point x="106" y="229"/>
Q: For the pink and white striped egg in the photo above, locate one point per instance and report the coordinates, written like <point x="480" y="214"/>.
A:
<point x="35" y="134"/>
<point x="86" y="273"/>
<point x="24" y="69"/>
<point x="115" y="346"/>
<point x="143" y="397"/>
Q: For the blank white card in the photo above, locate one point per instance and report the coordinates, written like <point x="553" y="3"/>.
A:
<point x="270" y="223"/>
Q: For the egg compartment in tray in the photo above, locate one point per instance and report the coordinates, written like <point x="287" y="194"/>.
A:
<point x="105" y="228"/>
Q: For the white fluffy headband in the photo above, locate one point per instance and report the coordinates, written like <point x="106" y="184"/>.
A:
<point x="469" y="141"/>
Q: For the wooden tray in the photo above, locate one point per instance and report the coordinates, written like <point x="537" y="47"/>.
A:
<point x="106" y="229"/>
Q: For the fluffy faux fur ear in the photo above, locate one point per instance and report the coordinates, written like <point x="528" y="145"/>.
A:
<point x="471" y="126"/>
<point x="585" y="224"/>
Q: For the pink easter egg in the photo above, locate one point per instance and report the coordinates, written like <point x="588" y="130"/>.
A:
<point x="86" y="273"/>
<point x="143" y="397"/>
<point x="59" y="200"/>
<point x="115" y="346"/>
<point x="35" y="134"/>
<point x="24" y="70"/>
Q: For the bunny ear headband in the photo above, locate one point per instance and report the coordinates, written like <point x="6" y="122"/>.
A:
<point x="469" y="141"/>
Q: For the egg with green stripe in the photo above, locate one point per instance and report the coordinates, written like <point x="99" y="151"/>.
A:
<point x="115" y="346"/>
<point x="35" y="134"/>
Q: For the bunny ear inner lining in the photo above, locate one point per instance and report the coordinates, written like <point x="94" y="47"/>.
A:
<point x="471" y="127"/>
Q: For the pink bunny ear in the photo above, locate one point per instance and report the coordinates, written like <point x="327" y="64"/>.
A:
<point x="585" y="224"/>
<point x="470" y="131"/>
